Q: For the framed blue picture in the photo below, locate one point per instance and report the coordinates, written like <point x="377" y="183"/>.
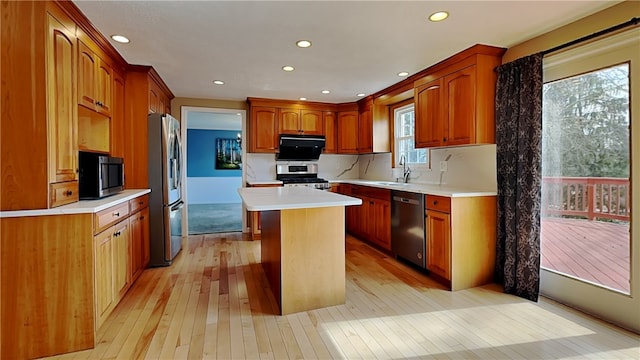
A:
<point x="228" y="154"/>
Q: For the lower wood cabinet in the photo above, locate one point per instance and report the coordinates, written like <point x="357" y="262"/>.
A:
<point x="121" y="244"/>
<point x="370" y="221"/>
<point x="112" y="277"/>
<point x="461" y="239"/>
<point x="438" y="227"/>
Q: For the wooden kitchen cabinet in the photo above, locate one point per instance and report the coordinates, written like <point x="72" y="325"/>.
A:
<point x="438" y="225"/>
<point x="461" y="239"/>
<point x="263" y="126"/>
<point x="454" y="101"/>
<point x="370" y="221"/>
<point x="117" y="142"/>
<point x="300" y="121"/>
<point x="330" y="133"/>
<point x="62" y="114"/>
<point x="95" y="78"/>
<point x="348" y="132"/>
<point x="139" y="254"/>
<point x="365" y="127"/>
<point x="142" y="82"/>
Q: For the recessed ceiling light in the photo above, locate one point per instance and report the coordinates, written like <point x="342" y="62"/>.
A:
<point x="303" y="43"/>
<point x="303" y="98"/>
<point x="403" y="73"/>
<point x="218" y="82"/>
<point x="326" y="91"/>
<point x="438" y="16"/>
<point x="361" y="95"/>
<point x="121" y="39"/>
<point x="288" y="68"/>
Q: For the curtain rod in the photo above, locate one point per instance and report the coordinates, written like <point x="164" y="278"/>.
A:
<point x="633" y="22"/>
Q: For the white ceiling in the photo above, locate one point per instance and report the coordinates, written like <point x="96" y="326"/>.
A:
<point x="358" y="46"/>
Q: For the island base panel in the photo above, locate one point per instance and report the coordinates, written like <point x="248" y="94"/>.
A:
<point x="303" y="254"/>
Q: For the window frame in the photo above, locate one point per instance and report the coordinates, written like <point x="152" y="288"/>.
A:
<point x="395" y="152"/>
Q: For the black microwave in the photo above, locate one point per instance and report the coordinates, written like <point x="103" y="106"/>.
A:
<point x="100" y="175"/>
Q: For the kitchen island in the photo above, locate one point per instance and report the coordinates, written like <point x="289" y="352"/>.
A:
<point x="303" y="244"/>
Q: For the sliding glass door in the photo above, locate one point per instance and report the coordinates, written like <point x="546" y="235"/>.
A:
<point x="589" y="250"/>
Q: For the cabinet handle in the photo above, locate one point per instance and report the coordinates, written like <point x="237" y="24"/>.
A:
<point x="68" y="193"/>
<point x="116" y="214"/>
<point x="435" y="203"/>
<point x="444" y="139"/>
<point x="141" y="217"/>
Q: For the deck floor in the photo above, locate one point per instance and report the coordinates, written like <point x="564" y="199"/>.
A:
<point x="596" y="251"/>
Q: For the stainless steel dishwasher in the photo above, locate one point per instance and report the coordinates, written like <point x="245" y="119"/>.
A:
<point x="407" y="227"/>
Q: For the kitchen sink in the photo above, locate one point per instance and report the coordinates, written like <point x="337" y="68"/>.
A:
<point x="391" y="183"/>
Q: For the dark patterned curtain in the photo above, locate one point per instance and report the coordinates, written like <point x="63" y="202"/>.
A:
<point x="519" y="150"/>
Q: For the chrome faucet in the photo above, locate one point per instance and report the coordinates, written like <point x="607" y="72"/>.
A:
<point x="405" y="168"/>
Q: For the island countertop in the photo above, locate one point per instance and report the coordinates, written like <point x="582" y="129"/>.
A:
<point x="283" y="198"/>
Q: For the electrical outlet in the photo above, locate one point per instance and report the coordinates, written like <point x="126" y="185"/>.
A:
<point x="443" y="166"/>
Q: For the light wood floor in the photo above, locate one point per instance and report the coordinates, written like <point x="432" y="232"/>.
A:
<point x="214" y="302"/>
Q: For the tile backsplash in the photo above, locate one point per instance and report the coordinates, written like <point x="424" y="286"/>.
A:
<point x="472" y="167"/>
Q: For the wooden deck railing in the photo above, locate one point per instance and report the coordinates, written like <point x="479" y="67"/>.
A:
<point x="604" y="198"/>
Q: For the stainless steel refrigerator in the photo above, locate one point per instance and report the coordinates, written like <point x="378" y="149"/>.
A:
<point x="165" y="201"/>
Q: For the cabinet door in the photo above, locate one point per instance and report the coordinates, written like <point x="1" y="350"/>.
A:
<point x="121" y="270"/>
<point x="348" y="132"/>
<point x="381" y="215"/>
<point x="439" y="243"/>
<point x="87" y="64"/>
<point x="311" y="122"/>
<point x="118" y="125"/>
<point x="429" y="110"/>
<point x="289" y="121"/>
<point x="61" y="96"/>
<point x="264" y="136"/>
<point x="331" y="139"/>
<point x="365" y="131"/>
<point x="104" y="81"/>
<point x="104" y="286"/>
<point x="139" y="231"/>
<point x="461" y="106"/>
<point x="154" y="101"/>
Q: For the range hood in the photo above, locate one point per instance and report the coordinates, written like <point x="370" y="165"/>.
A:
<point x="300" y="147"/>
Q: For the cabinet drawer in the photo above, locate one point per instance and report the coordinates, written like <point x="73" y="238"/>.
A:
<point x="438" y="203"/>
<point x="138" y="203"/>
<point x="107" y="217"/>
<point x="373" y="192"/>
<point x="63" y="193"/>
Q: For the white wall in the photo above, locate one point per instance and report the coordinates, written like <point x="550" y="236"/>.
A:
<point x="213" y="190"/>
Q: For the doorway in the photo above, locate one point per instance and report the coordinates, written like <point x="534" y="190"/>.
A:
<point x="589" y="249"/>
<point x="214" y="170"/>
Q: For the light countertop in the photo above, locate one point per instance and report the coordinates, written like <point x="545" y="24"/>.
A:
<point x="429" y="189"/>
<point x="283" y="198"/>
<point x="263" y="182"/>
<point x="80" y="207"/>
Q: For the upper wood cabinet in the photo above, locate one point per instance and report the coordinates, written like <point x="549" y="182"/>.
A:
<point x="95" y="78"/>
<point x="38" y="127"/>
<point x="269" y="118"/>
<point x="143" y="87"/>
<point x="348" y="132"/>
<point x="117" y="123"/>
<point x="263" y="126"/>
<point x="330" y="132"/>
<point x="455" y="100"/>
<point x="300" y="121"/>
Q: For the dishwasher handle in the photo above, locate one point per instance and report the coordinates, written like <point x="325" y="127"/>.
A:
<point x="405" y="200"/>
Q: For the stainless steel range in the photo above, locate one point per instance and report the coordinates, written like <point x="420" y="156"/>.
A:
<point x="304" y="174"/>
